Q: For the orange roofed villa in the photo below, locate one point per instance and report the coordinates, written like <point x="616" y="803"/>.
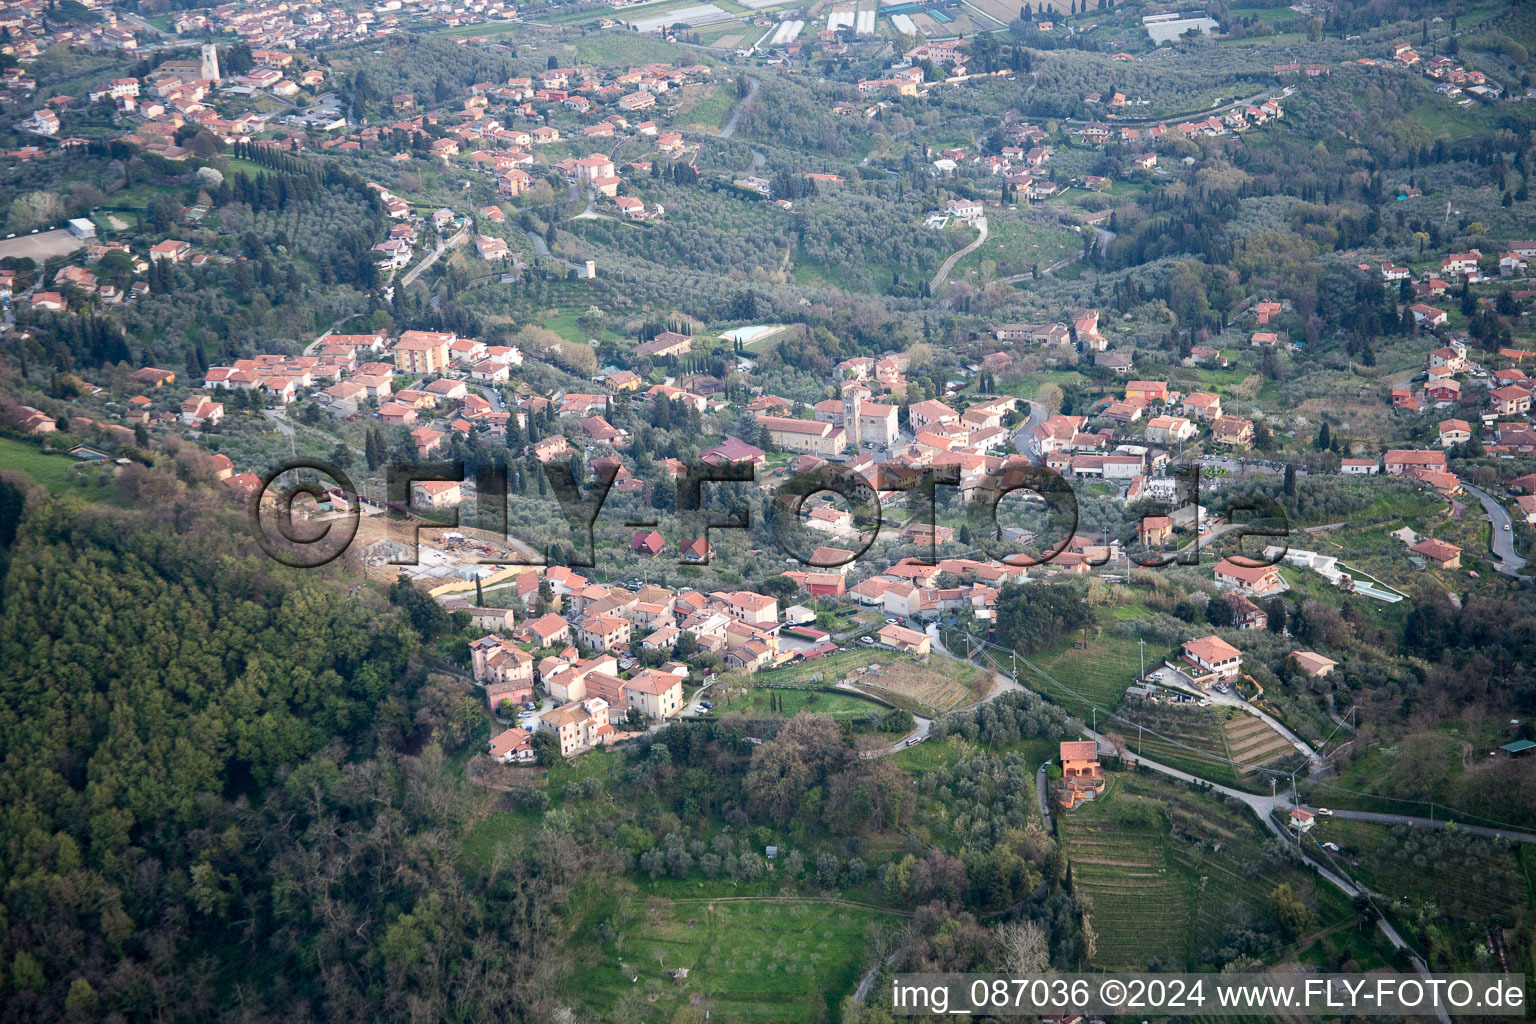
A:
<point x="1081" y="777"/>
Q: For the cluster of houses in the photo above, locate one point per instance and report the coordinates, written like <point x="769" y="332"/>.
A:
<point x="1019" y="162"/>
<point x="1451" y="78"/>
<point x="32" y="27"/>
<point x="585" y="655"/>
<point x="1503" y="421"/>
<point x="1237" y="120"/>
<point x="286" y="25"/>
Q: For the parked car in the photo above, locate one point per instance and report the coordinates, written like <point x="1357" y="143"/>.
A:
<point x="868" y="641"/>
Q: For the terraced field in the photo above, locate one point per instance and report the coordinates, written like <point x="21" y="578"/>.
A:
<point x="1190" y="738"/>
<point x="1204" y="741"/>
<point x="1169" y="871"/>
<point x="1251" y="741"/>
<point x="1142" y="904"/>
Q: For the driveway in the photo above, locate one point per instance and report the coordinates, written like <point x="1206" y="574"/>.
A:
<point x="1503" y="539"/>
<point x="730" y="126"/>
<point x="1177" y="680"/>
<point x="959" y="254"/>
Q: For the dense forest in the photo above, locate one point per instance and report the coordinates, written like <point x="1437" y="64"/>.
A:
<point x="224" y="789"/>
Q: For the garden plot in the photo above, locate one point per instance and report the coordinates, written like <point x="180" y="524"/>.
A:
<point x="938" y="689"/>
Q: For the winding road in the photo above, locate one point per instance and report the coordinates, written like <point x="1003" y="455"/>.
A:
<point x="1038" y="414"/>
<point x="1503" y="538"/>
<point x="730" y="126"/>
<point x="959" y="254"/>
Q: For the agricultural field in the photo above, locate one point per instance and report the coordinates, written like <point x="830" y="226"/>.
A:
<point x="1253" y="743"/>
<point x="1168" y="871"/>
<point x="781" y="961"/>
<point x="1080" y="679"/>
<point x="1204" y="741"/>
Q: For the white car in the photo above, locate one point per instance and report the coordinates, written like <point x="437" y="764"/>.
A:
<point x="892" y="622"/>
<point x="868" y="641"/>
<point x="1324" y="812"/>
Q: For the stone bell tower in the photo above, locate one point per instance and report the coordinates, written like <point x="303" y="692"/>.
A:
<point x="854" y="394"/>
<point x="210" y="62"/>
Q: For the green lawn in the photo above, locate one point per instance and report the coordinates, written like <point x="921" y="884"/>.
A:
<point x="713" y="109"/>
<point x="1096" y="675"/>
<point x="838" y="705"/>
<point x="830" y="668"/>
<point x="54" y="472"/>
<point x="1016" y="242"/>
<point x="781" y="961"/>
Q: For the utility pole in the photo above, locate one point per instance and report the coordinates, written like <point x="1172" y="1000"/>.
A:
<point x="1143" y="675"/>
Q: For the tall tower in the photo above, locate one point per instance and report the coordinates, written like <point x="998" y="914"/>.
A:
<point x="854" y="394"/>
<point x="210" y="62"/>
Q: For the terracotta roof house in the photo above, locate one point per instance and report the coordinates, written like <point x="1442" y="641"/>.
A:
<point x="1256" y="580"/>
<point x="650" y="544"/>
<point x="1212" y="657"/>
<point x="1313" y="664"/>
<point x="1082" y="778"/>
<point x="1438" y="553"/>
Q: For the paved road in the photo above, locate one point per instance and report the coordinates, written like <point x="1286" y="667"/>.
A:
<point x="730" y="126"/>
<point x="1432" y="823"/>
<point x="1037" y="415"/>
<point x="1503" y="538"/>
<point x="1251" y="101"/>
<point x="959" y="254"/>
<point x="416" y="271"/>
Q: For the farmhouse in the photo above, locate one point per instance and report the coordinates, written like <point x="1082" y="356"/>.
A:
<point x="1082" y="778"/>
